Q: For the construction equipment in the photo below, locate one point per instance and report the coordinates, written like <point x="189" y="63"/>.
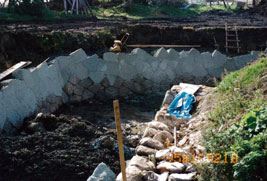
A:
<point x="119" y="44"/>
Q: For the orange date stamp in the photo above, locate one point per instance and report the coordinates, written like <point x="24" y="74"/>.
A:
<point x="212" y="157"/>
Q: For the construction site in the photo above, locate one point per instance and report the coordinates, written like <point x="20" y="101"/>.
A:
<point x="133" y="90"/>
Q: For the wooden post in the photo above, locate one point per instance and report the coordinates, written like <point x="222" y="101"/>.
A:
<point x="73" y="4"/>
<point x="119" y="136"/>
<point x="174" y="135"/>
<point x="65" y="6"/>
<point x="77" y="7"/>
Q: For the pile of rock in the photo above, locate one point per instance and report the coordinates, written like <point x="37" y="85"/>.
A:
<point x="157" y="157"/>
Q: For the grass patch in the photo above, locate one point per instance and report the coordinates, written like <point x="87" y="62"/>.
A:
<point x="48" y="15"/>
<point x="238" y="125"/>
<point x="139" y="11"/>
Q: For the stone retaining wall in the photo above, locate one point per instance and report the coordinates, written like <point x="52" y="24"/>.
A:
<point x="78" y="77"/>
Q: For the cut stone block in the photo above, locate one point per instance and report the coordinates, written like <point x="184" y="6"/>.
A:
<point x="78" y="55"/>
<point x="230" y="66"/>
<point x="112" y="68"/>
<point x="161" y="53"/>
<point x="110" y="57"/>
<point x="96" y="77"/>
<point x="91" y="63"/>
<point x="172" y="54"/>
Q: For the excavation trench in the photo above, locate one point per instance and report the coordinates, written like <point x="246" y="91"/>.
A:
<point x="79" y="90"/>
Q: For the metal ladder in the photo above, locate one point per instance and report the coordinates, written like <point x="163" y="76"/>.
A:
<point x="231" y="38"/>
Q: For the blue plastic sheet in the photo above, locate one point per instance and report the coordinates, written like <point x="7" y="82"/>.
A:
<point x="182" y="105"/>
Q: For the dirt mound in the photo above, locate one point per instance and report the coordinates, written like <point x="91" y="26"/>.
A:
<point x="57" y="147"/>
<point x="260" y="9"/>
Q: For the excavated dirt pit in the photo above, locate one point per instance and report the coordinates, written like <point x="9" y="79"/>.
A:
<point x="64" y="146"/>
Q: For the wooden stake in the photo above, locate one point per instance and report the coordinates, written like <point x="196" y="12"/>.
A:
<point x="73" y="4"/>
<point x="119" y="136"/>
<point x="65" y="6"/>
<point x="77" y="7"/>
<point x="174" y="134"/>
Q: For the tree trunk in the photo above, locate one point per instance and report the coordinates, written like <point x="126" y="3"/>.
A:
<point x="224" y="4"/>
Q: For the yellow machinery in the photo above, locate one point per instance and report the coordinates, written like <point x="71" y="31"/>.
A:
<point x="119" y="44"/>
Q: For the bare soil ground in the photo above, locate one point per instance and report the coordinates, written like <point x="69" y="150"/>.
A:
<point x="60" y="146"/>
<point x="204" y="20"/>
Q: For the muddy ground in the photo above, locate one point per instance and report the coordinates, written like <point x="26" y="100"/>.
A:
<point x="63" y="146"/>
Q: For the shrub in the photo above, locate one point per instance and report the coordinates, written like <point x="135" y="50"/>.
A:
<point x="30" y="7"/>
<point x="241" y="113"/>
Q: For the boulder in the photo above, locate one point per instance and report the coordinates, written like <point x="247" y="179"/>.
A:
<point x="102" y="173"/>
<point x="169" y="97"/>
<point x="158" y="125"/>
<point x="142" y="163"/>
<point x="133" y="173"/>
<point x="172" y="167"/>
<point x="163" y="154"/>
<point x="150" y="132"/>
<point x="162" y="136"/>
<point x="144" y="150"/>
<point x="182" y="177"/>
<point x="155" y="177"/>
<point x="151" y="143"/>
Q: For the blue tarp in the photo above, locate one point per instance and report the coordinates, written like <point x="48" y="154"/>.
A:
<point x="182" y="105"/>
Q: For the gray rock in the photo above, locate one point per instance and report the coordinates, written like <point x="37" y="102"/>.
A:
<point x="97" y="77"/>
<point x="91" y="63"/>
<point x="161" y="53"/>
<point x="151" y="143"/>
<point x="105" y="82"/>
<point x="162" y="136"/>
<point x="78" y="55"/>
<point x="169" y="97"/>
<point x="150" y="132"/>
<point x="144" y="150"/>
<point x="86" y="83"/>
<point x="112" y="92"/>
<point x="87" y="95"/>
<point x="118" y="82"/>
<point x="102" y="173"/>
<point x="123" y="91"/>
<point x="230" y="66"/>
<point x="172" y="167"/>
<point x="182" y="177"/>
<point x="111" y="79"/>
<point x="78" y="90"/>
<point x="133" y="173"/>
<point x="111" y="57"/>
<point x="95" y="88"/>
<point x="142" y="163"/>
<point x="172" y="54"/>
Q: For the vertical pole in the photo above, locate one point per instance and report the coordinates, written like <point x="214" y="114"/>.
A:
<point x="77" y="7"/>
<point x="175" y="137"/>
<point x="226" y="40"/>
<point x="119" y="136"/>
<point x="65" y="6"/>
